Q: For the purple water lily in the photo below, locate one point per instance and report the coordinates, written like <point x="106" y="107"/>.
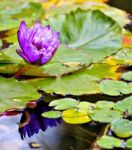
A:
<point x="38" y="44"/>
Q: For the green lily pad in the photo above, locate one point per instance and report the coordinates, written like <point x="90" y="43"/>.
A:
<point x="15" y="94"/>
<point x="115" y="88"/>
<point x="124" y="105"/>
<point x="104" y="104"/>
<point x="127" y="76"/>
<point x="85" y="105"/>
<point x="119" y="15"/>
<point x="109" y="142"/>
<point x="11" y="15"/>
<point x="64" y="103"/>
<point x="52" y="114"/>
<point x="103" y="34"/>
<point x="105" y="115"/>
<point x="75" y="84"/>
<point x="122" y="128"/>
<point x="11" y="54"/>
<point x="102" y="70"/>
<point x="124" y="56"/>
<point x="129" y="143"/>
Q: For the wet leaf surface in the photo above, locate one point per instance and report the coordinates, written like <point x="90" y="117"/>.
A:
<point x="115" y="88"/>
<point x="64" y="103"/>
<point x="52" y="114"/>
<point x="127" y="76"/>
<point x="15" y="94"/>
<point x="109" y="142"/>
<point x="129" y="143"/>
<point x="122" y="128"/>
<point x="74" y="116"/>
<point x="124" y="105"/>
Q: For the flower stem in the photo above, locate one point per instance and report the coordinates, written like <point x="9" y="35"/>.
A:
<point x="21" y="71"/>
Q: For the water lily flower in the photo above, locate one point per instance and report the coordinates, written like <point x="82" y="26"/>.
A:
<point x="38" y="44"/>
<point x="32" y="121"/>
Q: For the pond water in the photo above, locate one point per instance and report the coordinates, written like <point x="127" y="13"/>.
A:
<point x="64" y="136"/>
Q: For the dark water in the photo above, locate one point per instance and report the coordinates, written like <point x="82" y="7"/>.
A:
<point x="122" y="4"/>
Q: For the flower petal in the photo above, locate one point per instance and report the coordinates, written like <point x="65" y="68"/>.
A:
<point x="33" y="30"/>
<point x="40" y="35"/>
<point x="22" y="33"/>
<point x="32" y="53"/>
<point x="23" y="55"/>
<point x="47" y="55"/>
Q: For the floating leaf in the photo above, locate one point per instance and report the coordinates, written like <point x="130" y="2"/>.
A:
<point x="64" y="103"/>
<point x="15" y="94"/>
<point x="52" y="114"/>
<point x="124" y="56"/>
<point x="105" y="115"/>
<point x="75" y="84"/>
<point x="109" y="142"/>
<point x="85" y="105"/>
<point x="119" y="15"/>
<point x="124" y="105"/>
<point x="129" y="143"/>
<point x="101" y="39"/>
<point x="75" y="116"/>
<point x="103" y="70"/>
<point x="115" y="88"/>
<point x="122" y="128"/>
<point x="104" y="104"/>
<point x="35" y="145"/>
<point x="11" y="15"/>
<point x="127" y="76"/>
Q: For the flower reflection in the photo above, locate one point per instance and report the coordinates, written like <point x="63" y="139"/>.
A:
<point x="32" y="121"/>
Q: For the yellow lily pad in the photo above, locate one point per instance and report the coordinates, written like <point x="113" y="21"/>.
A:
<point x="75" y="116"/>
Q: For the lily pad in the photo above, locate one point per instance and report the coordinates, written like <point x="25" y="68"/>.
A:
<point x="52" y="114"/>
<point x="124" y="56"/>
<point x="104" y="104"/>
<point x="122" y="128"/>
<point x="129" y="143"/>
<point x="119" y="15"/>
<point x="105" y="115"/>
<point x="127" y="76"/>
<point x="115" y="88"/>
<point x="64" y="103"/>
<point x="75" y="116"/>
<point x="103" y="34"/>
<point x="124" y="105"/>
<point x="15" y="94"/>
<point x="74" y="84"/>
<point x="103" y="70"/>
<point x="11" y="15"/>
<point x="85" y="105"/>
<point x="109" y="142"/>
